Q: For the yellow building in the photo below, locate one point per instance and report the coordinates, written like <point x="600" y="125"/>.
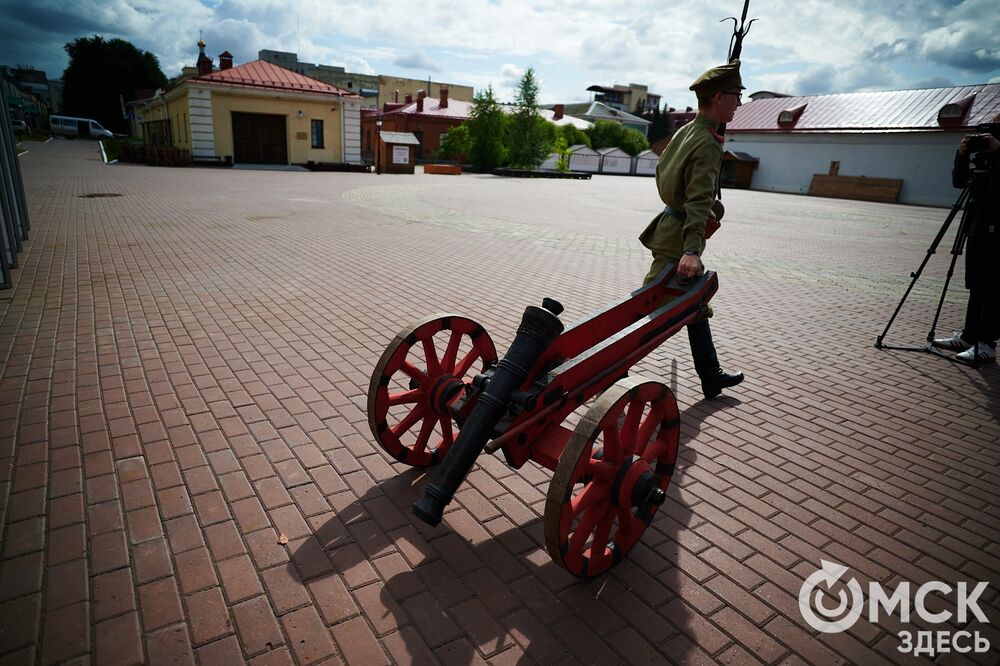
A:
<point x="256" y="113"/>
<point x="395" y="89"/>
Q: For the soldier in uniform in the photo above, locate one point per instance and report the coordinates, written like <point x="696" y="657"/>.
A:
<point x="686" y="177"/>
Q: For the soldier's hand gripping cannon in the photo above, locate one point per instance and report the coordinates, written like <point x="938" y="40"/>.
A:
<point x="610" y="474"/>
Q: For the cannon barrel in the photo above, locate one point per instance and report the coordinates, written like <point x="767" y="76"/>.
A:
<point x="539" y="327"/>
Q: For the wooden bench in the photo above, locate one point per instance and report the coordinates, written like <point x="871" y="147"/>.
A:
<point x="861" y="188"/>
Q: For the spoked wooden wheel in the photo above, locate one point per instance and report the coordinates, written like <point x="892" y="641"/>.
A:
<point x="612" y="476"/>
<point x="421" y="374"/>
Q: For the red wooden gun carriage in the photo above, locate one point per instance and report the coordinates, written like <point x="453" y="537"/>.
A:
<point x="427" y="405"/>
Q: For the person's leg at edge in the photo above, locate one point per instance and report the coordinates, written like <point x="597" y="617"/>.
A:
<point x="981" y="329"/>
<point x="973" y="316"/>
<point x="706" y="361"/>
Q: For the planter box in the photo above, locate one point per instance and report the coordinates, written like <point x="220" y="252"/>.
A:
<point x="443" y="169"/>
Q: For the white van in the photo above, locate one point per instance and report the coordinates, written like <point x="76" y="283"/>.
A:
<point x="78" y="127"/>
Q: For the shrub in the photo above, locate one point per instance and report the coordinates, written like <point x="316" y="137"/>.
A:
<point x="573" y="135"/>
<point x="456" y="143"/>
<point x="563" y="152"/>
<point x="633" y="142"/>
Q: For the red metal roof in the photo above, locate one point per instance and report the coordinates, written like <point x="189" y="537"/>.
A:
<point x="892" y="110"/>
<point x="432" y="107"/>
<point x="268" y="76"/>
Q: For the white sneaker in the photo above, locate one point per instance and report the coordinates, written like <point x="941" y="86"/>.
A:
<point x="954" y="342"/>
<point x="981" y="352"/>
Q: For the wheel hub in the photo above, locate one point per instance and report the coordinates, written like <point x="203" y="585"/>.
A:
<point x="636" y="485"/>
<point x="443" y="393"/>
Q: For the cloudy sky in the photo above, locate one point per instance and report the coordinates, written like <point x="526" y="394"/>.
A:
<point x="797" y="46"/>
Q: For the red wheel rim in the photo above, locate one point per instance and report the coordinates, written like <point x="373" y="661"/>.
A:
<point x="420" y="375"/>
<point x="630" y="433"/>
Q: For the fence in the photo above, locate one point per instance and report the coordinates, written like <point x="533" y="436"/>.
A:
<point x="154" y="155"/>
<point x="157" y="133"/>
<point x="14" y="224"/>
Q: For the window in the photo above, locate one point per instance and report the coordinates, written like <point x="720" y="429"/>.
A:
<point x="955" y="111"/>
<point x="317" y="134"/>
<point x="789" y="117"/>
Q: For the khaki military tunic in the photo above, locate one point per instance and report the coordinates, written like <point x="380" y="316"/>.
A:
<point x="686" y="176"/>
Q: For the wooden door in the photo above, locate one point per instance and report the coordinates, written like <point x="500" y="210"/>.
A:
<point x="259" y="138"/>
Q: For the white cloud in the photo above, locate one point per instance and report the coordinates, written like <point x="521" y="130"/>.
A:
<point x="796" y="45"/>
<point x="417" y="60"/>
<point x="510" y="75"/>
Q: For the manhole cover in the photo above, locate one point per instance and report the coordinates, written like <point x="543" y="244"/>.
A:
<point x="95" y="195"/>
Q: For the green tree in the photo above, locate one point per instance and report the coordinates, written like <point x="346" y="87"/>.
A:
<point x="486" y="130"/>
<point x="528" y="138"/>
<point x="99" y="71"/>
<point x="573" y="136"/>
<point x="633" y="142"/>
<point x="658" y="129"/>
<point x="456" y="143"/>
<point x="609" y="134"/>
<point x="605" y="134"/>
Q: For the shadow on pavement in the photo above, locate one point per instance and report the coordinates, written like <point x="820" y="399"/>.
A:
<point x="984" y="380"/>
<point x="481" y="583"/>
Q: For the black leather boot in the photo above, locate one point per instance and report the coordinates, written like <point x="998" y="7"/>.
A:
<point x="712" y="385"/>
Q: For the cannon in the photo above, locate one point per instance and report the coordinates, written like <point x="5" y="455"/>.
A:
<point x="439" y="395"/>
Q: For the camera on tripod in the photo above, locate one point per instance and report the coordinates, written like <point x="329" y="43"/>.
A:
<point x="979" y="142"/>
<point x="985" y="156"/>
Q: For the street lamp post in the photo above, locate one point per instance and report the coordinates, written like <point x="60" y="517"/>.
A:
<point x="378" y="146"/>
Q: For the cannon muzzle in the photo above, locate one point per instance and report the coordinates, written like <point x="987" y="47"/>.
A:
<point x="539" y="327"/>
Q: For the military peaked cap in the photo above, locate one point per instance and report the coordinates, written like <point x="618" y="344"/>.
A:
<point x="718" y="79"/>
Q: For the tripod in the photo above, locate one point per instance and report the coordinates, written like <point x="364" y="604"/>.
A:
<point x="956" y="249"/>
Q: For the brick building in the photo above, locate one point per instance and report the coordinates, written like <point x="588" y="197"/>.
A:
<point x="427" y="118"/>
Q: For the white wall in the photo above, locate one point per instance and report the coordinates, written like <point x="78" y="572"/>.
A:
<point x="616" y="164"/>
<point x="202" y="128"/>
<point x="921" y="159"/>
<point x="351" y="119"/>
<point x="645" y="166"/>
<point x="585" y="162"/>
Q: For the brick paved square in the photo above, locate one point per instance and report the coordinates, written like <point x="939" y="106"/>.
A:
<point x="187" y="470"/>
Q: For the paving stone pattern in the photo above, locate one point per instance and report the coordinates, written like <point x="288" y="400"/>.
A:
<point x="183" y="377"/>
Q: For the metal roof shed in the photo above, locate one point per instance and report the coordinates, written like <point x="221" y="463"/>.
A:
<point x="584" y="159"/>
<point x="397" y="151"/>
<point x="737" y="169"/>
<point x="615" y="160"/>
<point x="645" y="163"/>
